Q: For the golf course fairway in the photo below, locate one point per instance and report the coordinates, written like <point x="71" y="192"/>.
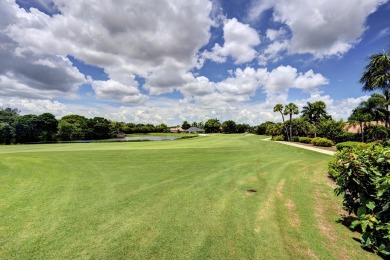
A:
<point x="209" y="197"/>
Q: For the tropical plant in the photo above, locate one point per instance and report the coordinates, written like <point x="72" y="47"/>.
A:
<point x="377" y="77"/>
<point x="360" y="116"/>
<point x="290" y="109"/>
<point x="313" y="112"/>
<point x="332" y="129"/>
<point x="363" y="180"/>
<point x="279" y="108"/>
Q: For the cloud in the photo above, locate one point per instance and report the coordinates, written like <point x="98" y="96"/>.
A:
<point x="275" y="34"/>
<point x="283" y="78"/>
<point x="321" y="28"/>
<point x="112" y="35"/>
<point x="114" y="90"/>
<point x="240" y="40"/>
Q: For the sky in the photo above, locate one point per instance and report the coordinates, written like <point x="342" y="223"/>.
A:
<point x="167" y="61"/>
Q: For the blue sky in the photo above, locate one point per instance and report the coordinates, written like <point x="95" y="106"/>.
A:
<point x="170" y="61"/>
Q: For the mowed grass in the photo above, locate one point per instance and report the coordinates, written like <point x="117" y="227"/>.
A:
<point x="183" y="199"/>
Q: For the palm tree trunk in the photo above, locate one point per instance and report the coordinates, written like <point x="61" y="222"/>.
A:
<point x="290" y="127"/>
<point x="284" y="126"/>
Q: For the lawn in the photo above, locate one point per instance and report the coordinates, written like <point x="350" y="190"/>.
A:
<point x="182" y="199"/>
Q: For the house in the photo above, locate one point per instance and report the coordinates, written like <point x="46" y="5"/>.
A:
<point x="356" y="128"/>
<point x="177" y="129"/>
<point x="195" y="130"/>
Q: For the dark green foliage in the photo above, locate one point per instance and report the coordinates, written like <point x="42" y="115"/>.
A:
<point x="376" y="132"/>
<point x="305" y="140"/>
<point x="350" y="145"/>
<point x="185" y="125"/>
<point x="363" y="179"/>
<point x="244" y="128"/>
<point x="331" y="129"/>
<point x="262" y="128"/>
<point x="320" y="141"/>
<point x="212" y="126"/>
<point x="295" y="139"/>
<point x="275" y="129"/>
<point x="229" y="127"/>
<point x="278" y="138"/>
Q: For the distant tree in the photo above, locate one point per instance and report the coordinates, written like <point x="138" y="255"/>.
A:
<point x="48" y="125"/>
<point x="314" y="112"/>
<point x="229" y="127"/>
<point x="8" y="114"/>
<point x="375" y="105"/>
<point x="161" y="128"/>
<point x="301" y="127"/>
<point x="377" y="77"/>
<point x="27" y="128"/>
<point x="331" y="129"/>
<point x="279" y="108"/>
<point x="290" y="109"/>
<point x="360" y="116"/>
<point x="7" y="119"/>
<point x="185" y="125"/>
<point x="274" y="129"/>
<point x="99" y="128"/>
<point x="262" y="128"/>
<point x="74" y="127"/>
<point x="212" y="126"/>
<point x="6" y="133"/>
<point x="243" y="128"/>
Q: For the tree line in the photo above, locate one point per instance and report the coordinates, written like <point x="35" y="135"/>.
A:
<point x="16" y="128"/>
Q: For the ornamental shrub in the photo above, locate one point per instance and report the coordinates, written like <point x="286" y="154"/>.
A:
<point x="349" y="145"/>
<point x="278" y="138"/>
<point x="363" y="179"/>
<point x="295" y="139"/>
<point x="305" y="140"/>
<point x="320" y="141"/>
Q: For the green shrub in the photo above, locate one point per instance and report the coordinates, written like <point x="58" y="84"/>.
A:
<point x="278" y="138"/>
<point x="295" y="139"/>
<point x="363" y="179"/>
<point x="320" y="141"/>
<point x="349" y="145"/>
<point x="305" y="140"/>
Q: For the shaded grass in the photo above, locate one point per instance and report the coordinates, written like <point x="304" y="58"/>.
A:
<point x="169" y="200"/>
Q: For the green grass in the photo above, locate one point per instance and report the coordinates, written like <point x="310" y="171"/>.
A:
<point x="183" y="199"/>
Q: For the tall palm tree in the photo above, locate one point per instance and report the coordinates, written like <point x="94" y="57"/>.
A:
<point x="375" y="106"/>
<point x="279" y="108"/>
<point x="314" y="112"/>
<point x="360" y="116"/>
<point x="377" y="76"/>
<point x="290" y="109"/>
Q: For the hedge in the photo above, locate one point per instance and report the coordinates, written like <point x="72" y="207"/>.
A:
<point x="305" y="140"/>
<point x="320" y="141"/>
<point x="349" y="145"/>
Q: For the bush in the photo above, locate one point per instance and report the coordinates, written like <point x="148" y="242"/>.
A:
<point x="278" y="138"/>
<point x="320" y="141"/>
<point x="349" y="145"/>
<point x="295" y="139"/>
<point x="363" y="177"/>
<point x="305" y="140"/>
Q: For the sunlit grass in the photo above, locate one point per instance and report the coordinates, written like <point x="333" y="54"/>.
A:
<point x="170" y="200"/>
